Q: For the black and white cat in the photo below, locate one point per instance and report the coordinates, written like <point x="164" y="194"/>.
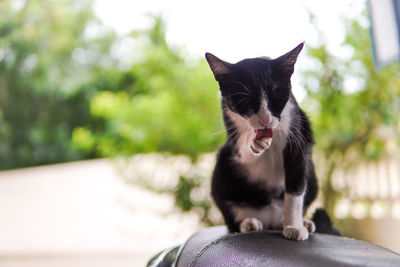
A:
<point x="264" y="176"/>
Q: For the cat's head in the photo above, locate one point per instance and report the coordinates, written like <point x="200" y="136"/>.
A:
<point x="257" y="89"/>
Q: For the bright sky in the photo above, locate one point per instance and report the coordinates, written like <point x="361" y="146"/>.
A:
<point x="234" y="30"/>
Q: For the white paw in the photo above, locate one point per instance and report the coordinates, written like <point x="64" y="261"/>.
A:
<point x="295" y="233"/>
<point x="250" y="224"/>
<point x="260" y="145"/>
<point x="309" y="225"/>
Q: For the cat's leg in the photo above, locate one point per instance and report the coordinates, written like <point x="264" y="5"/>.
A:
<point x="299" y="233"/>
<point x="296" y="164"/>
<point x="293" y="224"/>
<point x="250" y="224"/>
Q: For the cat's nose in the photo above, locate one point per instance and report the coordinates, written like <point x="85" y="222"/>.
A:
<point x="265" y="121"/>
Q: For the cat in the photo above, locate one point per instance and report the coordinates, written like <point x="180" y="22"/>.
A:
<point x="264" y="176"/>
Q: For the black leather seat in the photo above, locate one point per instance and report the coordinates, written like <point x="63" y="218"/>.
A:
<point x="215" y="247"/>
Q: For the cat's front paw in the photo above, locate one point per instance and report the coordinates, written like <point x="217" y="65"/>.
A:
<point x="250" y="224"/>
<point x="295" y="233"/>
<point x="260" y="145"/>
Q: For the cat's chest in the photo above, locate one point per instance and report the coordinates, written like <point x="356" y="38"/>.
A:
<point x="266" y="169"/>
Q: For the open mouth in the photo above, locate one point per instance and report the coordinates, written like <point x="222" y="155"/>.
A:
<point x="266" y="132"/>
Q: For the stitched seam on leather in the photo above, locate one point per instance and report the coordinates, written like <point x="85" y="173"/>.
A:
<point x="206" y="248"/>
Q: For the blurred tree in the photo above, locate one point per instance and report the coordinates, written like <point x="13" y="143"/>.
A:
<point x="169" y="103"/>
<point x="70" y="90"/>
<point x="354" y="106"/>
<point x="53" y="55"/>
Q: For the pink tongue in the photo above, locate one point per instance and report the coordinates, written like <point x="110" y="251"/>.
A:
<point x="264" y="133"/>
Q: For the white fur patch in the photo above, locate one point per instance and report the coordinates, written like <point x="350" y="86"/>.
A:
<point x="294" y="210"/>
<point x="295" y="233"/>
<point x="250" y="224"/>
<point x="271" y="216"/>
<point x="294" y="227"/>
<point x="266" y="167"/>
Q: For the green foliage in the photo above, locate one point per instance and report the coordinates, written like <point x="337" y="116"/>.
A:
<point x="202" y="204"/>
<point x="354" y="106"/>
<point x="169" y="105"/>
<point x="65" y="94"/>
<point x="49" y="67"/>
<point x="350" y="117"/>
<point x="182" y="193"/>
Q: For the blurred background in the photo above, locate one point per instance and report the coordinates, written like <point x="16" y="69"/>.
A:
<point x="110" y="120"/>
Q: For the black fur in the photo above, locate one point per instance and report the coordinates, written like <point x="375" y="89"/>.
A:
<point x="243" y="85"/>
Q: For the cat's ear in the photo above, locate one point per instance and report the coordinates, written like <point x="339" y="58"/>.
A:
<point x="220" y="68"/>
<point x="285" y="64"/>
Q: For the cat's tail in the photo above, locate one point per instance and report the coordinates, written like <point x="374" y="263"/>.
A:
<point x="323" y="223"/>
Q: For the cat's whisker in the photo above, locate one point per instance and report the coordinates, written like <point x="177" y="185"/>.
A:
<point x="244" y="86"/>
<point x="242" y="101"/>
<point x="240" y="93"/>
<point x="300" y="133"/>
<point x="300" y="145"/>
<point x="218" y="132"/>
